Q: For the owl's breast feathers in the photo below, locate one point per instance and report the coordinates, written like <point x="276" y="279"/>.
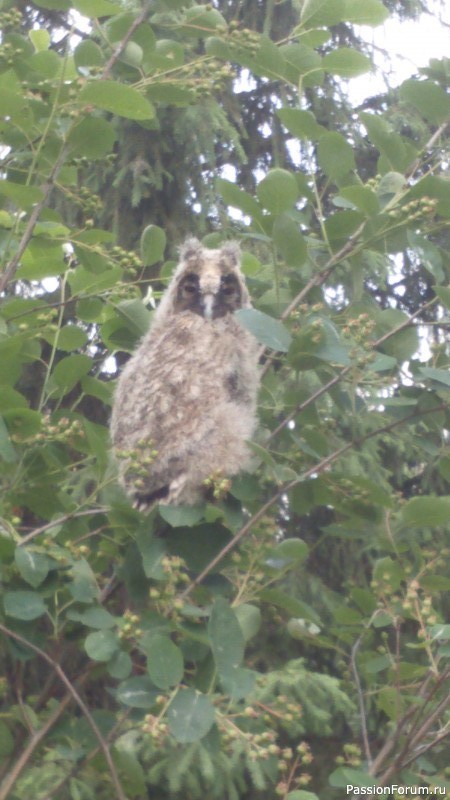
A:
<point x="186" y="400"/>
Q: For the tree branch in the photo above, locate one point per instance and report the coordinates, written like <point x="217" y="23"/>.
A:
<point x="79" y="701"/>
<point x="46" y="188"/>
<point x="123" y="42"/>
<point x="315" y="469"/>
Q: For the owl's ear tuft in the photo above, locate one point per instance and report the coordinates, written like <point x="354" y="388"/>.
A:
<point x="191" y="248"/>
<point x="231" y="251"/>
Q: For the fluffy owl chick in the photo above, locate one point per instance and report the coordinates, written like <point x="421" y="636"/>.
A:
<point x="186" y="400"/>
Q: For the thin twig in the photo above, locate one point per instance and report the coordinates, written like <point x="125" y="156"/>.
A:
<point x="345" y="370"/>
<point x="46" y="188"/>
<point x="33" y="742"/>
<point x="359" y="690"/>
<point x="431" y="142"/>
<point x="123" y="42"/>
<point x="60" y="521"/>
<point x="80" y="702"/>
<point x="315" y="469"/>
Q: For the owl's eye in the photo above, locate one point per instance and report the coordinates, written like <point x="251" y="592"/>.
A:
<point x="190" y="285"/>
<point x="228" y="285"/>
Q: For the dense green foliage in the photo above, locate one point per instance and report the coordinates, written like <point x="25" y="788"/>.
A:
<point x="292" y="637"/>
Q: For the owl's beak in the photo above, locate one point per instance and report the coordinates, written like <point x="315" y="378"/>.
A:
<point x="208" y="305"/>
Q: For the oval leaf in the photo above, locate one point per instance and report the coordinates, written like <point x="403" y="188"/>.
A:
<point x="24" y="605"/>
<point x="153" y="244"/>
<point x="426" y="511"/>
<point x="32" y="566"/>
<point x="267" y="330"/>
<point x="137" y="692"/>
<point x="101" y="645"/>
<point x="164" y="661"/>
<point x="227" y="640"/>
<point x="118" y="99"/>
<point x="190" y="716"/>
<point x="278" y="191"/>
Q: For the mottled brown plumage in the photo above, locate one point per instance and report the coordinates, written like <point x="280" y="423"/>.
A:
<point x="186" y="400"/>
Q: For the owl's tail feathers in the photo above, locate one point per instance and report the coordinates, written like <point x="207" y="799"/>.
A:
<point x="144" y="502"/>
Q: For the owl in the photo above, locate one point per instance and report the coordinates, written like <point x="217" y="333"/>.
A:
<point x="185" y="404"/>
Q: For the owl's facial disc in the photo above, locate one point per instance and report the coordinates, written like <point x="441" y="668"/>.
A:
<point x="210" y="303"/>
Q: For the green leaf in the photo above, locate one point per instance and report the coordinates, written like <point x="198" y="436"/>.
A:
<point x="40" y="38"/>
<point x="68" y="372"/>
<point x="137" y="692"/>
<point x="403" y="344"/>
<point x="83" y="587"/>
<point x="434" y="374"/>
<point x="152" y="551"/>
<point x="347" y="776"/>
<point x="132" y="775"/>
<point x="388" y="571"/>
<point x="95" y="617"/>
<point x="227" y="640"/>
<point x="210" y="539"/>
<point x="278" y="191"/>
<point x="136" y="315"/>
<point x="165" y="662"/>
<point x="180" y="516"/>
<point x="249" y="618"/>
<point x="346" y="62"/>
<point x="23" y="422"/>
<point x="70" y="337"/>
<point x="117" y="98"/>
<point x="426" y="511"/>
<point x="390" y="185"/>
<point x="33" y="566"/>
<point x="370" y="12"/>
<point x="88" y="54"/>
<point x="238" y="682"/>
<point x="443" y="292"/>
<point x="362" y="198"/>
<point x="47" y="64"/>
<point x="190" y="716"/>
<point x="120" y="665"/>
<point x="92" y="138"/>
<point x="82" y="281"/>
<point x="302" y="124"/>
<point x="293" y="551"/>
<point x="335" y="155"/>
<point x="300" y="794"/>
<point x="267" y="330"/>
<point x="290" y="604"/>
<point x="430" y="99"/>
<point x="429" y="254"/>
<point x="322" y="12"/>
<point x="153" y="244"/>
<point x="22" y="196"/>
<point x="24" y="605"/>
<point x="389" y="143"/>
<point x="96" y="8"/>
<point x="7" y="451"/>
<point x="235" y="197"/>
<point x="101" y="645"/>
<point x="202" y="20"/>
<point x="290" y="242"/>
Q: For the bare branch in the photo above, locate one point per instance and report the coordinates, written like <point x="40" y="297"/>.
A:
<point x="46" y="188"/>
<point x="315" y="469"/>
<point x="79" y="701"/>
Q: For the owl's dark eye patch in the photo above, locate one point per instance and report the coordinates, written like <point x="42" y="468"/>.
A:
<point x="188" y="293"/>
<point x="229" y="285"/>
<point x="190" y="283"/>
